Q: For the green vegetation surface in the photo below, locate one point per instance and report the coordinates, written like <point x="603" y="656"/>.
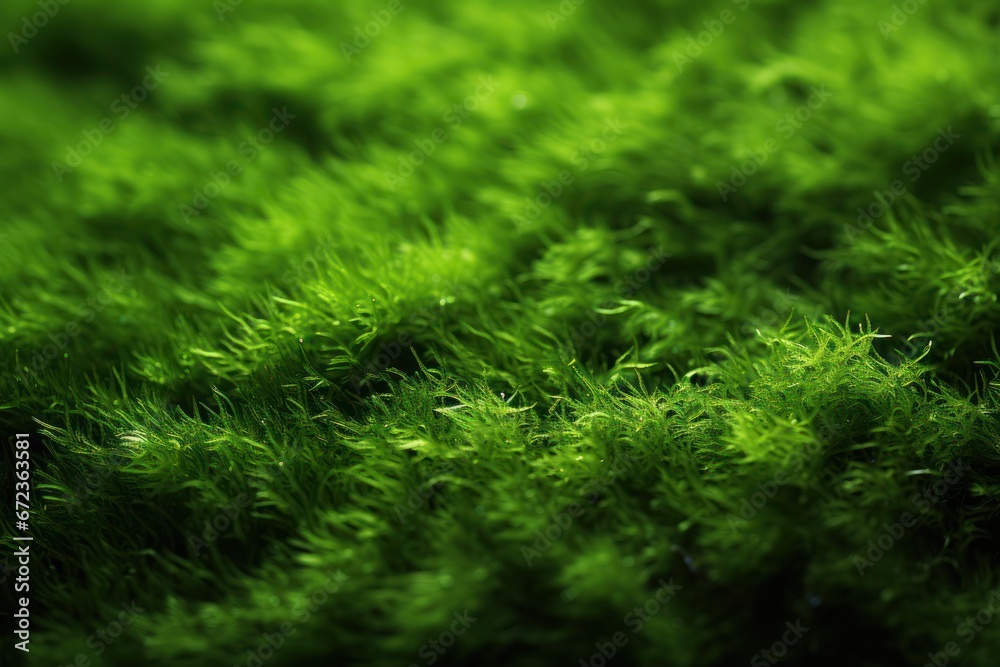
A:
<point x="521" y="333"/>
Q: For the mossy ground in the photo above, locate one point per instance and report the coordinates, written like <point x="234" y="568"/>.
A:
<point x="526" y="309"/>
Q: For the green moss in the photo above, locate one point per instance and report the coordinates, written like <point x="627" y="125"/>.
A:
<point x="506" y="322"/>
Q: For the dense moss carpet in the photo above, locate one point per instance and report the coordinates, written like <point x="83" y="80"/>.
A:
<point x="525" y="333"/>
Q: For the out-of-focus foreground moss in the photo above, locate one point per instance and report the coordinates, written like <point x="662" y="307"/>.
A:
<point x="508" y="312"/>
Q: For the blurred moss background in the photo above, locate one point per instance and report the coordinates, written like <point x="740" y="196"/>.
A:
<point x="363" y="320"/>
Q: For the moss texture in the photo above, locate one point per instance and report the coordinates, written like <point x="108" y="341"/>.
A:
<point x="673" y="320"/>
